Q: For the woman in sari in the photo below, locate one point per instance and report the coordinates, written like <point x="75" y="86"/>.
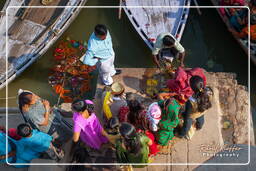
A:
<point x="87" y="126"/>
<point x="169" y="120"/>
<point x="132" y="147"/>
<point x="136" y="114"/>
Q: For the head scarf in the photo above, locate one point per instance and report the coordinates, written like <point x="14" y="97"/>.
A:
<point x="154" y="115"/>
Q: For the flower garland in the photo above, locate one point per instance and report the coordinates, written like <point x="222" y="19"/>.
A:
<point x="70" y="78"/>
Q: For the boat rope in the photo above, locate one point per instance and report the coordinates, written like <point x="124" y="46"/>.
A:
<point x="12" y="97"/>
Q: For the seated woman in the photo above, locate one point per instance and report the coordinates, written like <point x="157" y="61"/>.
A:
<point x="39" y="114"/>
<point x="195" y="108"/>
<point x="133" y="147"/>
<point x="134" y="113"/>
<point x="86" y="124"/>
<point x="143" y="120"/>
<point x="180" y="86"/>
<point x="169" y="120"/>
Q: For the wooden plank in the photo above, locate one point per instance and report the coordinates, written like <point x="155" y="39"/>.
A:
<point x="25" y="31"/>
<point x="154" y="21"/>
<point x="45" y="15"/>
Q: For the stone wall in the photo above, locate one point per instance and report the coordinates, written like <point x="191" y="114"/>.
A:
<point x="236" y="119"/>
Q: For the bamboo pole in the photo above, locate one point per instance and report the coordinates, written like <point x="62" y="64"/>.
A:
<point x="120" y="10"/>
<point x="198" y="9"/>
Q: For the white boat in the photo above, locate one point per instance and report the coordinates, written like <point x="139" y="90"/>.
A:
<point x="31" y="31"/>
<point x="149" y="22"/>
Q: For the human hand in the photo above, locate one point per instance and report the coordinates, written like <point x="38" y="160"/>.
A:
<point x="112" y="138"/>
<point x="46" y="104"/>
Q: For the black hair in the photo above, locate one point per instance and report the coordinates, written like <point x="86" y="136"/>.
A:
<point x="168" y="40"/>
<point x="81" y="105"/>
<point x="204" y="100"/>
<point x="113" y="122"/>
<point x="196" y="83"/>
<point x="24" y="99"/>
<point x="100" y="30"/>
<point x="80" y="155"/>
<point x="134" y="107"/>
<point x="24" y="130"/>
<point x="113" y="126"/>
<point x="131" y="138"/>
<point x="130" y="96"/>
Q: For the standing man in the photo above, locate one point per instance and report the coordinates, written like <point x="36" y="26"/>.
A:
<point x="100" y="51"/>
<point x="168" y="53"/>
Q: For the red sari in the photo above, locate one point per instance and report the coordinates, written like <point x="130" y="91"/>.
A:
<point x="180" y="84"/>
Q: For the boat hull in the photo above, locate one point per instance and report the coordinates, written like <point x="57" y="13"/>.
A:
<point x="44" y="42"/>
<point x="150" y="21"/>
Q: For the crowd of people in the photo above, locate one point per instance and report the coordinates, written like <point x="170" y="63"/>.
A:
<point x="135" y="130"/>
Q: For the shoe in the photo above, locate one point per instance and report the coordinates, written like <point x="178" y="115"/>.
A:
<point x="118" y="71"/>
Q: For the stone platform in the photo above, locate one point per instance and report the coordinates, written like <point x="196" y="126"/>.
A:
<point x="212" y="135"/>
<point x="230" y="104"/>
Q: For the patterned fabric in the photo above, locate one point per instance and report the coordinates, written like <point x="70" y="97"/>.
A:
<point x="36" y="115"/>
<point x="171" y="63"/>
<point x="153" y="150"/>
<point x="141" y="121"/>
<point x="123" y="114"/>
<point x="154" y="116"/>
<point x="180" y="84"/>
<point x="168" y="122"/>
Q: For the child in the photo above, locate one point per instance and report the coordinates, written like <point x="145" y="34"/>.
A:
<point x="113" y="126"/>
<point x="33" y="143"/>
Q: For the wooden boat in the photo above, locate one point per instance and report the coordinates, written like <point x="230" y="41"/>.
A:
<point x="149" y="22"/>
<point x="243" y="43"/>
<point x="31" y="31"/>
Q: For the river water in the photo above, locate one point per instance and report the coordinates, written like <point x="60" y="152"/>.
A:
<point x="205" y="39"/>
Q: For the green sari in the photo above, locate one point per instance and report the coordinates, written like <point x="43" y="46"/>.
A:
<point x="168" y="121"/>
<point x="123" y="156"/>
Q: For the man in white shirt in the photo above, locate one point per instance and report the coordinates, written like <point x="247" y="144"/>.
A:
<point x="100" y="51"/>
<point x="167" y="50"/>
